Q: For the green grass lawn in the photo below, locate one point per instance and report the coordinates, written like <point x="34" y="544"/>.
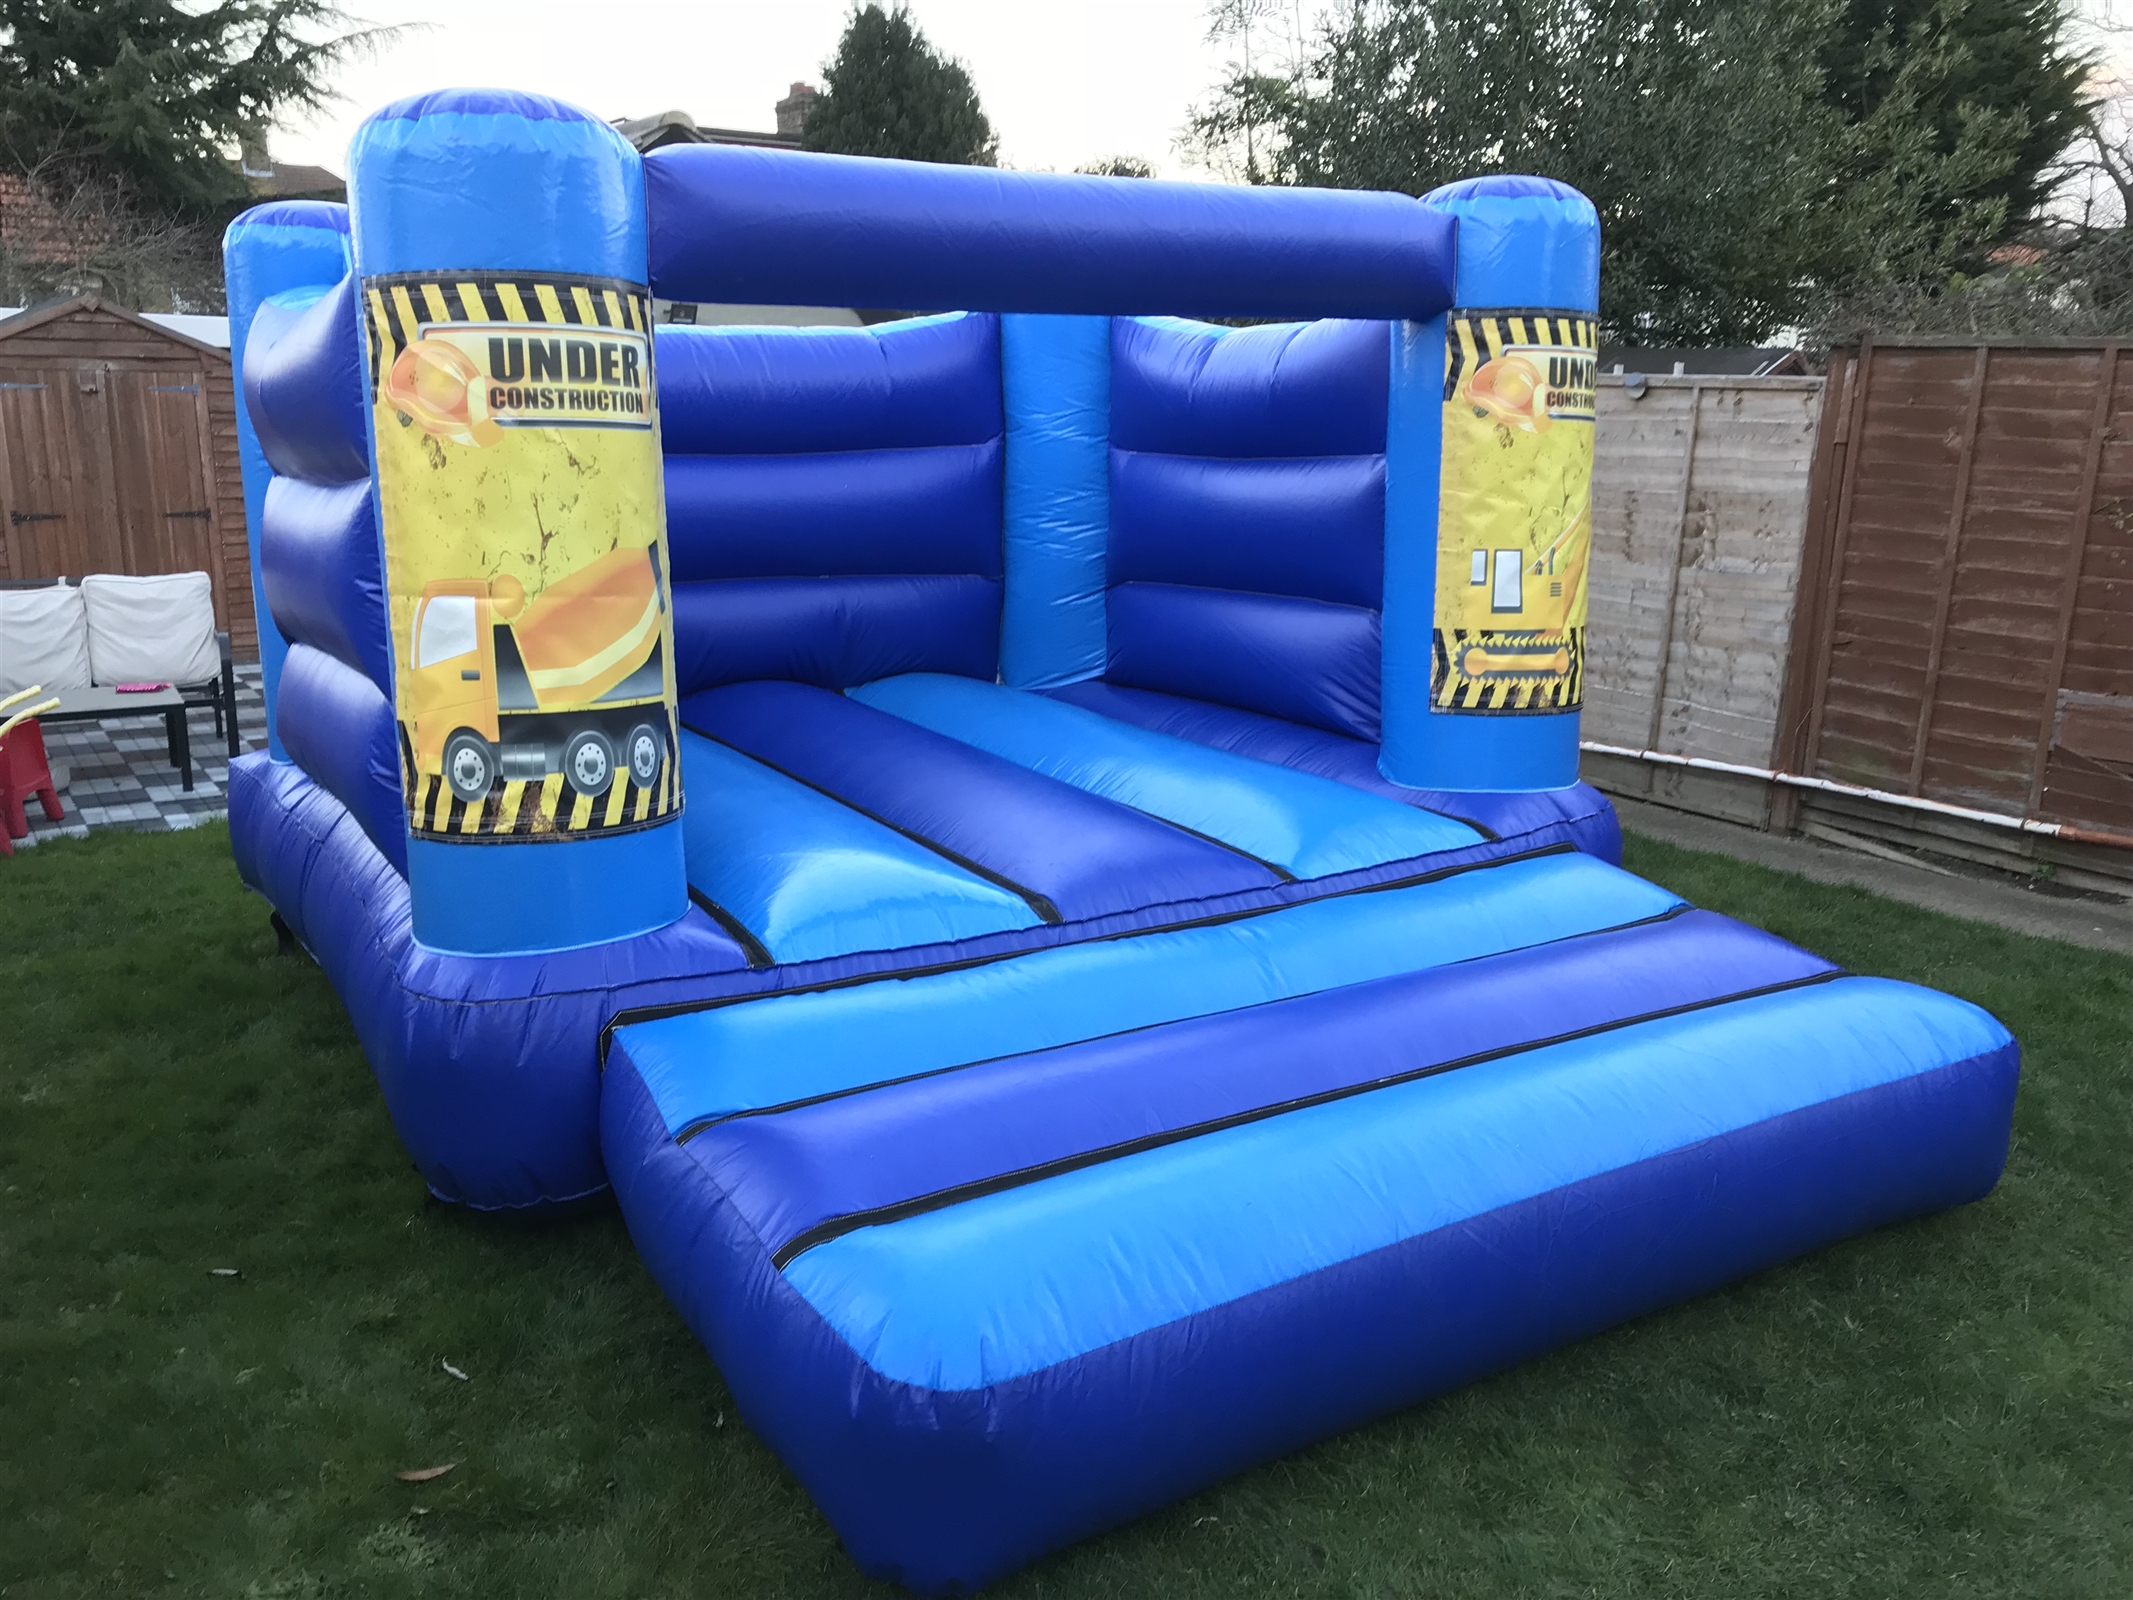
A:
<point x="1940" y="1408"/>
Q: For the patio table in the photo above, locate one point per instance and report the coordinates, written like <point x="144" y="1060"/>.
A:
<point x="108" y="705"/>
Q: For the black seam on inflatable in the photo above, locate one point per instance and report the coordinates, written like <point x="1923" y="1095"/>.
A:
<point x="705" y="1124"/>
<point x="753" y="948"/>
<point x="1281" y="873"/>
<point x="1041" y="904"/>
<point x="683" y="1008"/>
<point x="940" y="1199"/>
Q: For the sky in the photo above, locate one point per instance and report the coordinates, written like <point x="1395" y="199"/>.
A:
<point x="1064" y="81"/>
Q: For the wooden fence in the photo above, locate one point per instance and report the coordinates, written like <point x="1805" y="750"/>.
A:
<point x="1700" y="499"/>
<point x="1965" y="631"/>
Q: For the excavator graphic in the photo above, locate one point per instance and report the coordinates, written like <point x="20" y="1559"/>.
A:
<point x="572" y="683"/>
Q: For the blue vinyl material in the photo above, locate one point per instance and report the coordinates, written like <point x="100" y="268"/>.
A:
<point x="489" y="178"/>
<point x="1055" y="381"/>
<point x="810" y="877"/>
<point x="1247" y="477"/>
<point x="846" y="513"/>
<point x="1523" y="242"/>
<point x="1579" y="814"/>
<point x="1311" y="527"/>
<point x="338" y="726"/>
<point x="1293" y="389"/>
<point x="1302" y="660"/>
<point x="804" y="391"/>
<point x="947" y="1490"/>
<point x="834" y="632"/>
<point x="595" y="891"/>
<point x="490" y="1066"/>
<point x="318" y="566"/>
<point x="1083" y="855"/>
<point x="303" y="385"/>
<point x="793" y="1169"/>
<point x="1304" y="825"/>
<point x="758" y="226"/>
<point x="1002" y="1286"/>
<point x="270" y="250"/>
<point x="833" y="500"/>
<point x="770" y="1051"/>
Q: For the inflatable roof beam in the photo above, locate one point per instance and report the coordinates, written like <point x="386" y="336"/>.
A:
<point x="500" y="248"/>
<point x="298" y="246"/>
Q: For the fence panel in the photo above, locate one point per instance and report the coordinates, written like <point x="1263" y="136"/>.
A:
<point x="1700" y="498"/>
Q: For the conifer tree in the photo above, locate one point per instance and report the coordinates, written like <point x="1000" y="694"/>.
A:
<point x="148" y="99"/>
<point x="889" y="92"/>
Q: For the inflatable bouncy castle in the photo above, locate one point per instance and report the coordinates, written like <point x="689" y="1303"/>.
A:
<point x="1036" y="847"/>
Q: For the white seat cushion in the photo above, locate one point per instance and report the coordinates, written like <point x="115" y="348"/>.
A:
<point x="44" y="639"/>
<point x="159" y="629"/>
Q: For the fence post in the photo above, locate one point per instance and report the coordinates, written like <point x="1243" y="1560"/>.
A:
<point x="2070" y="576"/>
<point x="1953" y="550"/>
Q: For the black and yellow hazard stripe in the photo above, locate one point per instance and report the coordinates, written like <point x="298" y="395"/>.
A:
<point x="520" y="810"/>
<point x="1509" y="691"/>
<point x="1473" y="337"/>
<point x="401" y="304"/>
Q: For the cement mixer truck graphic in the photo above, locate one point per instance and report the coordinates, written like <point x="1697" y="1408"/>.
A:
<point x="570" y="684"/>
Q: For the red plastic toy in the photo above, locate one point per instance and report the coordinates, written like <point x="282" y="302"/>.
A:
<point x="24" y="771"/>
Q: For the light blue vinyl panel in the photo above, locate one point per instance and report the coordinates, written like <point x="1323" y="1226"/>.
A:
<point x="993" y="1288"/>
<point x="810" y="877"/>
<point x="779" y="1048"/>
<point x="1308" y="826"/>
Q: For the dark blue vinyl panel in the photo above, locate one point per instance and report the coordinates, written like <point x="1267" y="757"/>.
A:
<point x="1084" y="855"/>
<point x="792" y="1170"/>
<point x="938" y="1488"/>
<point x="319" y="567"/>
<point x="834" y="632"/>
<point x="774" y="391"/>
<point x="1580" y="813"/>
<point x="338" y="726"/>
<point x="1312" y="527"/>
<point x="1302" y="660"/>
<point x="859" y="513"/>
<point x="489" y="1065"/>
<point x="303" y="388"/>
<point x="770" y="226"/>
<point x="1297" y="389"/>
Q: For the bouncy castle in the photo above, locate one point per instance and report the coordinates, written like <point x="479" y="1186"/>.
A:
<point x="1035" y="846"/>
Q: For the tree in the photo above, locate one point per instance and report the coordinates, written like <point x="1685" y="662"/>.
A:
<point x="1736" y="191"/>
<point x="888" y="92"/>
<point x="1962" y="77"/>
<point x="148" y="98"/>
<point x="1118" y="167"/>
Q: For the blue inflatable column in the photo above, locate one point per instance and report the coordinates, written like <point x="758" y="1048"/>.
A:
<point x="1488" y="521"/>
<point x="501" y="260"/>
<point x="291" y="245"/>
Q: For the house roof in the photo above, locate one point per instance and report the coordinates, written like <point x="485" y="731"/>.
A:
<point x="678" y="127"/>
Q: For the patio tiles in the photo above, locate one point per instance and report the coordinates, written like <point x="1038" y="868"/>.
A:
<point x="118" y="774"/>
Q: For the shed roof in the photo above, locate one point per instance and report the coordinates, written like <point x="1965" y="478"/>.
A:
<point x="60" y="310"/>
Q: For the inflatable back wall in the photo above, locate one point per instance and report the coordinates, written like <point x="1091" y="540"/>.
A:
<point x="1375" y="525"/>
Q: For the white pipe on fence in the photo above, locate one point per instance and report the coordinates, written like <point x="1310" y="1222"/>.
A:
<point x="1909" y="802"/>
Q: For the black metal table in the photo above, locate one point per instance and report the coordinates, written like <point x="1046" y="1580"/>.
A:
<point x="108" y="705"/>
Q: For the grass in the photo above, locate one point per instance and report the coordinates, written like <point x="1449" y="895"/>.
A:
<point x="1939" y="1408"/>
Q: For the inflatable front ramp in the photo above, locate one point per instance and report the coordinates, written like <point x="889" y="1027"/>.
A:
<point x="999" y="1256"/>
